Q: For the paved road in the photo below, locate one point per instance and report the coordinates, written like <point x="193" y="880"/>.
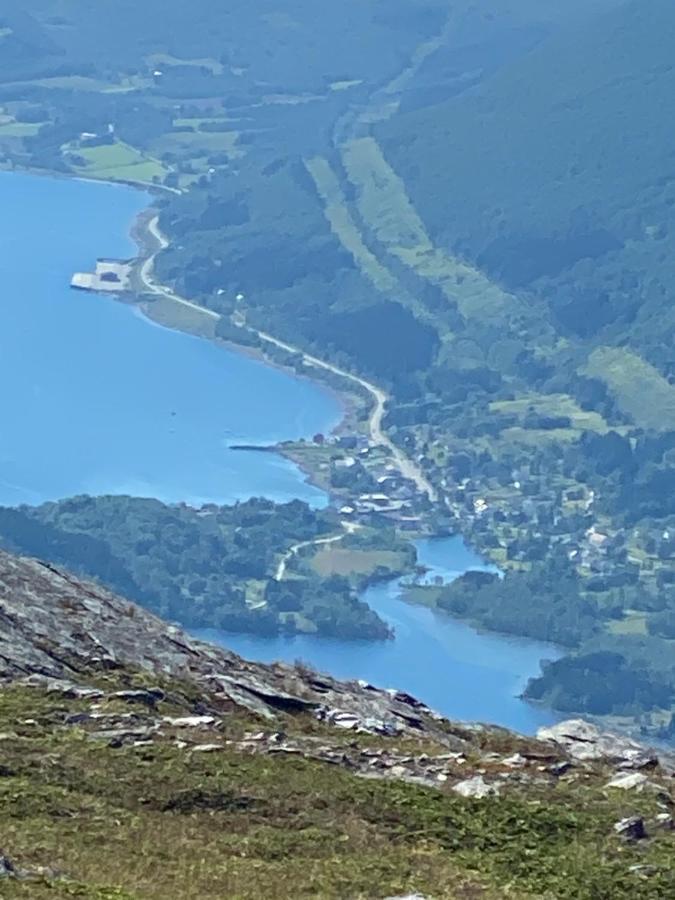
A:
<point x="406" y="466"/>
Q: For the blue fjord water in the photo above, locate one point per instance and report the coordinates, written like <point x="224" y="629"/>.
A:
<point x="96" y="399"/>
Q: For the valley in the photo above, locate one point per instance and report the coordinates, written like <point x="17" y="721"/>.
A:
<point x="355" y="248"/>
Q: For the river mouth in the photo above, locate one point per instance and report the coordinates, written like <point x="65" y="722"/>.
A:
<point x="98" y="400"/>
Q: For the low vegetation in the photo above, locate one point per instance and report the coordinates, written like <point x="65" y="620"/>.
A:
<point x="631" y="380"/>
<point x="117" y="162"/>
<point x="90" y="816"/>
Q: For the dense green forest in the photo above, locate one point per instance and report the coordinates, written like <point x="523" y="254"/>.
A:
<point x="211" y="567"/>
<point x="284" y="48"/>
<point x="607" y="673"/>
<point x="560" y="176"/>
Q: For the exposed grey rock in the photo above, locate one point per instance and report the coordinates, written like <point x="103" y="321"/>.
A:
<point x="407" y="897"/>
<point x="189" y="721"/>
<point x="7" y="868"/>
<point x="54" y="626"/>
<point x="629" y="781"/>
<point x="514" y="762"/>
<point x="352" y="722"/>
<point x="66" y="688"/>
<point x="150" y="697"/>
<point x="631" y="828"/>
<point x="643" y="870"/>
<point x="665" y="821"/>
<point x="475" y="787"/>
<point x="118" y="737"/>
<point x="584" y="741"/>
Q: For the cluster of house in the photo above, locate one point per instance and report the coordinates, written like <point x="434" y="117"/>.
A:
<point x="524" y="527"/>
<point x="526" y="530"/>
<point x="389" y="496"/>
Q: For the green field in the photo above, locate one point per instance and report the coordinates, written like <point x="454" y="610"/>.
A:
<point x="18" y="129"/>
<point x="343" y="226"/>
<point x="633" y="623"/>
<point x="198" y="121"/>
<point x="331" y="560"/>
<point x="165" y="59"/>
<point x="640" y="390"/>
<point x="171" y="314"/>
<point x="119" y="162"/>
<point x="200" y="143"/>
<point x="386" y="208"/>
<point x="552" y="405"/>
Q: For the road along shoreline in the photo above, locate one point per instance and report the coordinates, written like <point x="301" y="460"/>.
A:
<point x="149" y="237"/>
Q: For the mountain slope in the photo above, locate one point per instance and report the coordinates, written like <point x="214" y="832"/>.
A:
<point x="137" y="763"/>
<point x="563" y="158"/>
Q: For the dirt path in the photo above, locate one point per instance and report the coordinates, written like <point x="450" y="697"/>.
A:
<point x="296" y="548"/>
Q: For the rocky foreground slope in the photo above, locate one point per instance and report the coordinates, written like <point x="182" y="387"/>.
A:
<point x="138" y="763"/>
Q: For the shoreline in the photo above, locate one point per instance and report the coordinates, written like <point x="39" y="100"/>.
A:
<point x="142" y="236"/>
<point x="149" y="245"/>
<point x="350" y="400"/>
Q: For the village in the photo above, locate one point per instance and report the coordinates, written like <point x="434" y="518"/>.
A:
<point x="366" y="484"/>
<point x="518" y="515"/>
<point x="515" y="517"/>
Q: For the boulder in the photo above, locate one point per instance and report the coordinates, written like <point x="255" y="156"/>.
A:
<point x="516" y="761"/>
<point x="7" y="867"/>
<point x="631" y="828"/>
<point x="189" y="721"/>
<point x="629" y="781"/>
<point x="149" y="697"/>
<point x="584" y="741"/>
<point x="475" y="787"/>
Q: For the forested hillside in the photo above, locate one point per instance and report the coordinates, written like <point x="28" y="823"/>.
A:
<point x="209" y="568"/>
<point x="283" y="47"/>
<point x="556" y="177"/>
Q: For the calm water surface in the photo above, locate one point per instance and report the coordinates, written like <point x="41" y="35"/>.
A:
<point x="95" y="399"/>
<point x="463" y="673"/>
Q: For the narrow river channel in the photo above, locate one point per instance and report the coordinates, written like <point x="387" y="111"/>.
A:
<point x="96" y="399"/>
<point x="461" y="672"/>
